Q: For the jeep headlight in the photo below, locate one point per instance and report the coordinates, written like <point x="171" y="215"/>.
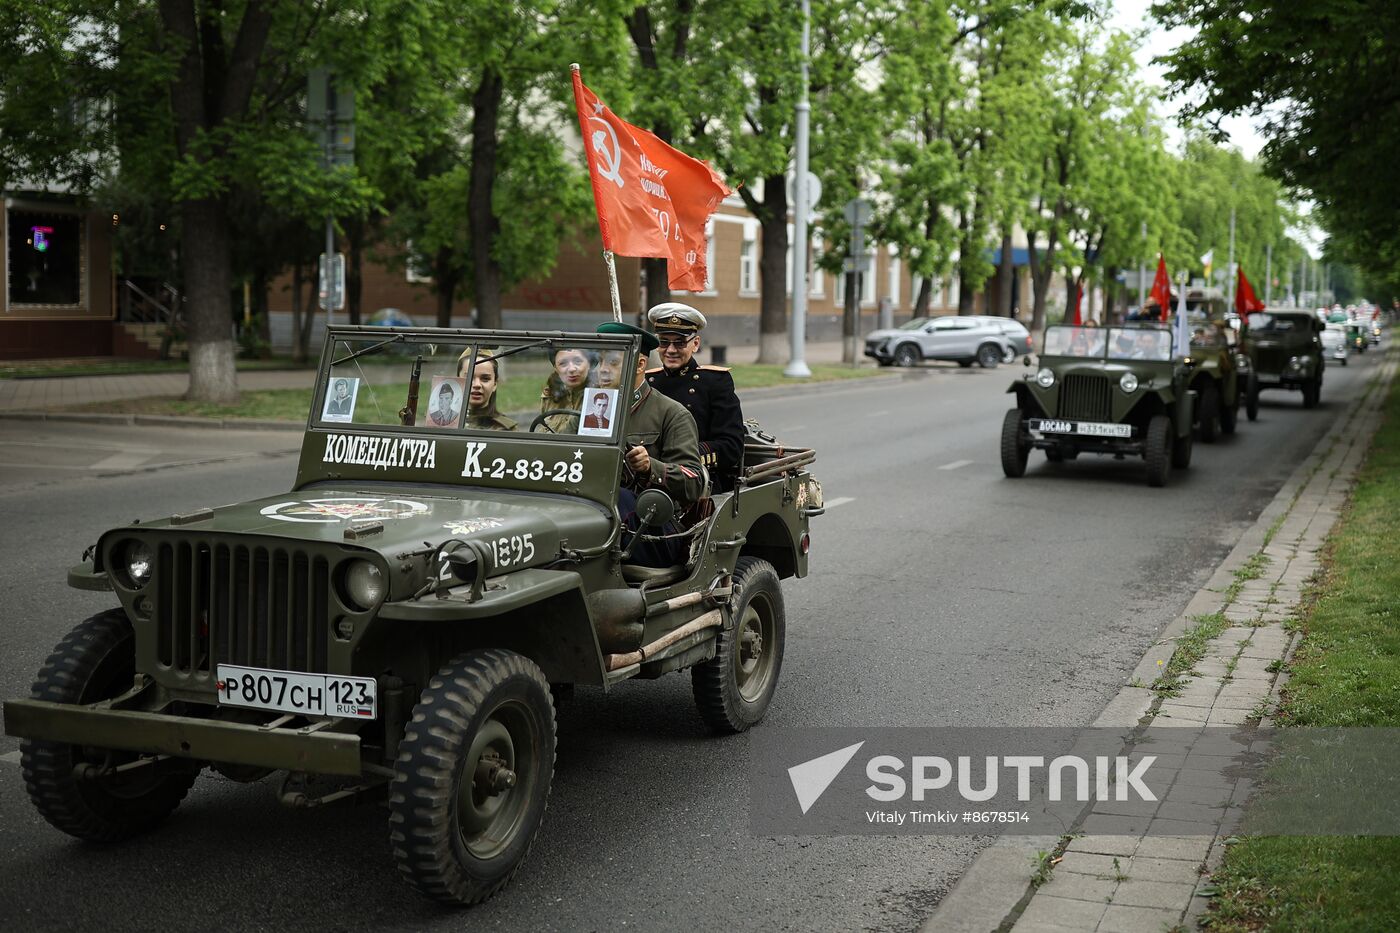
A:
<point x="1045" y="378"/>
<point x="1295" y="362"/>
<point x="1128" y="383"/>
<point x="364" y="584"/>
<point x="140" y="562"/>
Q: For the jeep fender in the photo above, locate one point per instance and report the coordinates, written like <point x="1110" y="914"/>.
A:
<point x="1026" y="399"/>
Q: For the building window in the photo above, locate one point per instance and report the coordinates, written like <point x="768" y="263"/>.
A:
<point x="893" y="285"/>
<point x="816" y="283"/>
<point x="748" y="265"/>
<point x="45" y="260"/>
<point x="416" y="267"/>
<point x="867" y="281"/>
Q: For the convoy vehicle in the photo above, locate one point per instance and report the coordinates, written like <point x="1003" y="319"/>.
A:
<point x="1334" y="343"/>
<point x="1285" y="350"/>
<point x="964" y="339"/>
<point x="1115" y="390"/>
<point x="398" y="621"/>
<point x="1221" y="384"/>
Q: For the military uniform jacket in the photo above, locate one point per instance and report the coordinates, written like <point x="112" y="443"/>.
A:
<point x="707" y="392"/>
<point x="667" y="431"/>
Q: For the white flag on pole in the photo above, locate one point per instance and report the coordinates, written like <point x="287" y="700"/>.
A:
<point x="1183" y="337"/>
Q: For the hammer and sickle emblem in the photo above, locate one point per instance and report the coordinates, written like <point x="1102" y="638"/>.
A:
<point x="609" y="152"/>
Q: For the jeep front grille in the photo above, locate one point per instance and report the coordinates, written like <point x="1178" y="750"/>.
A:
<point x="1271" y="359"/>
<point x="238" y="604"/>
<point x="1086" y="398"/>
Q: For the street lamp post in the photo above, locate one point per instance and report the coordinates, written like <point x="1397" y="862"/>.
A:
<point x="797" y="365"/>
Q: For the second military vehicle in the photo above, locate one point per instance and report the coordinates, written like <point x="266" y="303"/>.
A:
<point x="1285" y="351"/>
<point x="1114" y="390"/>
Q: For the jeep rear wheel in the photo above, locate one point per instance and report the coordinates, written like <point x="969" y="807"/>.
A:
<point x="988" y="355"/>
<point x="1251" y="398"/>
<point x="472" y="777"/>
<point x="1015" y="444"/>
<point x="1230" y="414"/>
<point x="906" y="354"/>
<point x="732" y="690"/>
<point x="1159" y="442"/>
<point x="97" y="661"/>
<point x="1208" y="412"/>
<point x="1312" y="391"/>
<point x="1181" y="451"/>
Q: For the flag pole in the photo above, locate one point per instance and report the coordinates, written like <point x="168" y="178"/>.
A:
<point x="612" y="285"/>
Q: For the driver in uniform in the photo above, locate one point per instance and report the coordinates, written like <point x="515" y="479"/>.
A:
<point x="663" y="452"/>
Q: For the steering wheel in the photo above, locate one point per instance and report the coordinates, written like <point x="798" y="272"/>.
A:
<point x="540" y="422"/>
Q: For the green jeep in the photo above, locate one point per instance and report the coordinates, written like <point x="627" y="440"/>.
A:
<point x="399" y="620"/>
<point x="1114" y="390"/>
<point x="1218" y="379"/>
<point x="1285" y="350"/>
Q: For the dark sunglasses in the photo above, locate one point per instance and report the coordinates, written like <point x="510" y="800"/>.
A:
<point x="674" y="342"/>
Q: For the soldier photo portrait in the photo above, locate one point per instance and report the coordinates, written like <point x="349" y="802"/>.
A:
<point x="340" y="401"/>
<point x="446" y="395"/>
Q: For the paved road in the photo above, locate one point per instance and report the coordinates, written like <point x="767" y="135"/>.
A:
<point x="941" y="593"/>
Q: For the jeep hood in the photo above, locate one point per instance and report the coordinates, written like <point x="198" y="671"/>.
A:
<point x="394" y="518"/>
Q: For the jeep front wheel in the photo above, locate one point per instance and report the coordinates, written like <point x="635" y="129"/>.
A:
<point x="1312" y="391"/>
<point x="1208" y="412"/>
<point x="472" y="777"/>
<point x="1015" y="444"/>
<point x="76" y="788"/>
<point x="1159" y="444"/>
<point x="1251" y="398"/>
<point x="732" y="690"/>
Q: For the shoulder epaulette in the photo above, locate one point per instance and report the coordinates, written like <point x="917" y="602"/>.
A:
<point x="715" y="369"/>
<point x="653" y="372"/>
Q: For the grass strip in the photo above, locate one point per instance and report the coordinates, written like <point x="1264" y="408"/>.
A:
<point x="1346" y="672"/>
<point x="1190" y="648"/>
<point x="520" y="396"/>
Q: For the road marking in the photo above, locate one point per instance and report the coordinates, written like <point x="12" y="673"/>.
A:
<point x="839" y="500"/>
<point x="955" y="464"/>
<point x="10" y="758"/>
<point x="121" y="461"/>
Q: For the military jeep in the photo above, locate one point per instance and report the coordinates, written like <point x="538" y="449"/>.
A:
<point x="1285" y="350"/>
<point x="1114" y="390"/>
<point x="399" y="620"/>
<point x="1219" y="380"/>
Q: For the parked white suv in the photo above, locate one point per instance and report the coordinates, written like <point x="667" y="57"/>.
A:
<point x="964" y="340"/>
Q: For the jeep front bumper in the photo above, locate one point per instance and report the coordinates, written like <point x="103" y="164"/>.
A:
<point x="303" y="748"/>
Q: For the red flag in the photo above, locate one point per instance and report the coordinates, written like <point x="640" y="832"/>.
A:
<point x="1246" y="302"/>
<point x="1162" y="287"/>
<point x="1078" y="303"/>
<point x="652" y="200"/>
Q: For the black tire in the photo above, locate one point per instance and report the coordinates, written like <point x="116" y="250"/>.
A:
<point x="733" y="689"/>
<point x="988" y="356"/>
<point x="1312" y="391"/>
<point x="1181" y="451"/>
<point x="1015" y="445"/>
<point x="1251" y="399"/>
<point x="1344" y="361"/>
<point x="1230" y="414"/>
<point x="907" y="354"/>
<point x="1158" y="455"/>
<point x="472" y="777"/>
<point x="96" y="661"/>
<point x="1208" y="412"/>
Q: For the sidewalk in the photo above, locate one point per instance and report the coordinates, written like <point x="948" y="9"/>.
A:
<point x="1158" y="880"/>
<point x="64" y="391"/>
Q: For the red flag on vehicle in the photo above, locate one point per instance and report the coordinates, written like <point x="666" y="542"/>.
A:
<point x="1162" y="288"/>
<point x="1078" y="304"/>
<point x="652" y="200"/>
<point x="1246" y="302"/>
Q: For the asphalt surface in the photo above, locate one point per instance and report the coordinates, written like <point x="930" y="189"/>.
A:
<point x="941" y="593"/>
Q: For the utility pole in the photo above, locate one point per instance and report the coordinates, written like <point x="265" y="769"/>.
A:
<point x="797" y="365"/>
<point x="1231" y="276"/>
<point x="1268" y="274"/>
<point x="1142" y="270"/>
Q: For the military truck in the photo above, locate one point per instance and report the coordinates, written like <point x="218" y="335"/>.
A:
<point x="1285" y="351"/>
<point x="1115" y="390"/>
<point x="398" y="621"/>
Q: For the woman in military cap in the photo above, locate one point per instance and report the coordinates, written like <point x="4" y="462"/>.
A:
<point x="481" y="401"/>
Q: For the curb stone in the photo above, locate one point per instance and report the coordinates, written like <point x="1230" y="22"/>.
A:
<point x="1158" y="882"/>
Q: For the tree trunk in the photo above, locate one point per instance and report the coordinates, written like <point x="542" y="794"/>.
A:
<point x="482" y="221"/>
<point x="354" y="273"/>
<point x="772" y="271"/>
<point x="204" y="249"/>
<point x="313" y="300"/>
<point x="1004" y="275"/>
<point x="966" y="290"/>
<point x="925" y="295"/>
<point x="658" y="284"/>
<point x="444" y="286"/>
<point x="298" y="349"/>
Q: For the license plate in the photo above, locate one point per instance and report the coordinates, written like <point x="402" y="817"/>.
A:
<point x="295" y="692"/>
<point x="1084" y="428"/>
